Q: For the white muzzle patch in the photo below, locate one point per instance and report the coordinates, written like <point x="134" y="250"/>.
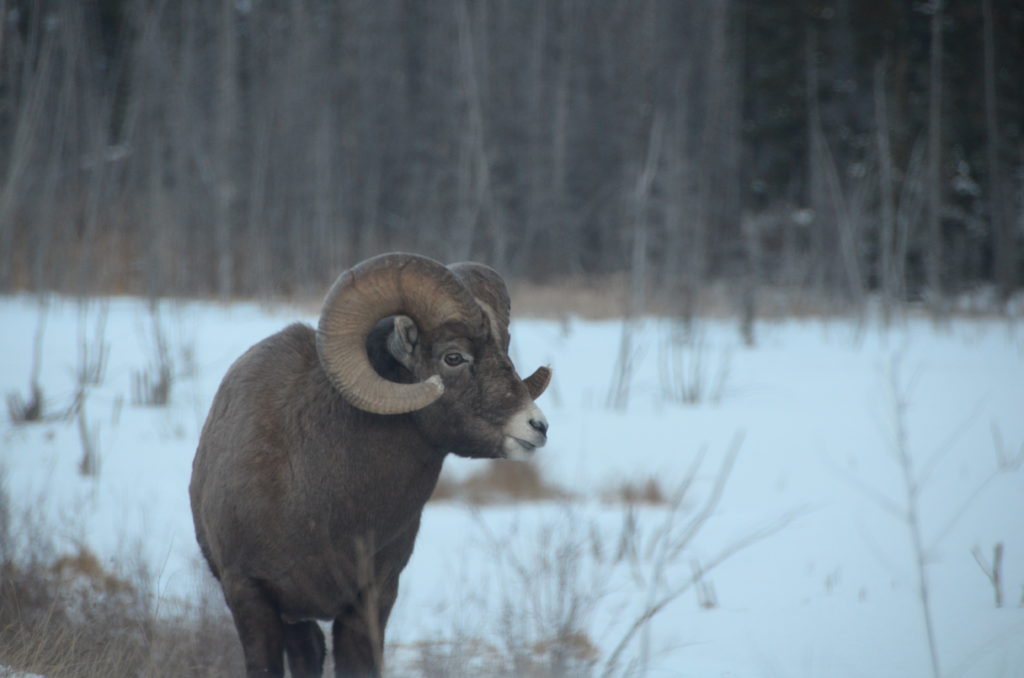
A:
<point x="525" y="432"/>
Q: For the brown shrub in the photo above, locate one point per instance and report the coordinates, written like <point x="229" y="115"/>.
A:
<point x="69" y="615"/>
<point x="499" y="482"/>
<point x="629" y="492"/>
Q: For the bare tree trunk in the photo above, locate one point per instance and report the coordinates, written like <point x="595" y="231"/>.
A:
<point x="468" y="196"/>
<point x="97" y="197"/>
<point x="816" y="186"/>
<point x="641" y="195"/>
<point x="325" y="218"/>
<point x="484" y="209"/>
<point x="225" y="145"/>
<point x="19" y="163"/>
<point x="559" y="140"/>
<point x="712" y="157"/>
<point x="887" y="230"/>
<point x="618" y="393"/>
<point x="258" y="234"/>
<point x="678" y="198"/>
<point x="934" y="254"/>
<point x="538" y="142"/>
<point x="46" y="228"/>
<point x="751" y="278"/>
<point x="910" y="205"/>
<point x="732" y="177"/>
<point x="186" y="147"/>
<point x="4" y="24"/>
<point x="1002" y="236"/>
<point x="846" y="209"/>
<point x="148" y="137"/>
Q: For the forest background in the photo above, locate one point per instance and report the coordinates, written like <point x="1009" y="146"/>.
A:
<point x="839" y="150"/>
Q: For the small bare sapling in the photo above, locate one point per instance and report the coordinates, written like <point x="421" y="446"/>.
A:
<point x="151" y="386"/>
<point x="993" y="570"/>
<point x="689" y="373"/>
<point x="21" y="410"/>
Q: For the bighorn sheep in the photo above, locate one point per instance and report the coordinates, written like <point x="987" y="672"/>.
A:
<point x="322" y="447"/>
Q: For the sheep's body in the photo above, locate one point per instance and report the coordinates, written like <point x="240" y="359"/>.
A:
<point x="307" y="508"/>
<point x="307" y="503"/>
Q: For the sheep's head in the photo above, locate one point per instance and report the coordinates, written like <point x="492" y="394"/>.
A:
<point x="449" y="330"/>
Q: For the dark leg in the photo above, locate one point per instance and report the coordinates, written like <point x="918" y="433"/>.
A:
<point x="304" y="645"/>
<point x="259" y="626"/>
<point x="359" y="634"/>
<point x="354" y="645"/>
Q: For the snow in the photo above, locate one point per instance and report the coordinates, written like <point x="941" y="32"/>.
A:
<point x="826" y="586"/>
<point x="8" y="672"/>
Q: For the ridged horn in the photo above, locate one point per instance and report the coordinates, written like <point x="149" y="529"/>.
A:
<point x="538" y="382"/>
<point x="386" y="285"/>
<point x="490" y="292"/>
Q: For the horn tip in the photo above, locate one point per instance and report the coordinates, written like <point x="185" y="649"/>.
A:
<point x="436" y="382"/>
<point x="538" y="382"/>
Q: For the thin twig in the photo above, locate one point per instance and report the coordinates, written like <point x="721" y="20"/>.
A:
<point x="716" y="491"/>
<point x="652" y="610"/>
<point x="912" y="490"/>
<point x="994" y="570"/>
<point x="877" y="496"/>
<point x="961" y="510"/>
<point x="948" y="444"/>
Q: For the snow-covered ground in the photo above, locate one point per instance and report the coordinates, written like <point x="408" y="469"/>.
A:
<point x="820" y="577"/>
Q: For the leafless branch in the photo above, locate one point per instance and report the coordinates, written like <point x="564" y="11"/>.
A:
<point x="993" y="570"/>
<point x="611" y="664"/>
<point x="912" y="517"/>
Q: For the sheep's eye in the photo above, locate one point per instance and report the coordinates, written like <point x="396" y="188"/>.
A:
<point x="453" y="359"/>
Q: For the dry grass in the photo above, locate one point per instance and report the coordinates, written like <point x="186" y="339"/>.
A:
<point x="647" y="492"/>
<point x="605" y="297"/>
<point x="502" y="482"/>
<point x="75" y="619"/>
<point x="595" y="299"/>
<point x="21" y="410"/>
<point x="58" y="625"/>
<point x="499" y="482"/>
<point x="69" y="615"/>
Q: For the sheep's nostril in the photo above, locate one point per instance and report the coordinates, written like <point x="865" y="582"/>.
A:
<point x="540" y="426"/>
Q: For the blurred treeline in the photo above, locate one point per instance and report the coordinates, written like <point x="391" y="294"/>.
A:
<point x="249" y="147"/>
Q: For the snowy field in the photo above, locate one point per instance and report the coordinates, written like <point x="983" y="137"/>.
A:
<point x="790" y="554"/>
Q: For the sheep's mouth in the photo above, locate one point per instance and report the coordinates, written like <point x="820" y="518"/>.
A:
<point x="517" y="449"/>
<point x="525" y="431"/>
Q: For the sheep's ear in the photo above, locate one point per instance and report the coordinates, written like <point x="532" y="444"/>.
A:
<point x="402" y="340"/>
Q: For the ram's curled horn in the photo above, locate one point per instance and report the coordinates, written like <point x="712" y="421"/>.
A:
<point x="390" y="284"/>
<point x="490" y="293"/>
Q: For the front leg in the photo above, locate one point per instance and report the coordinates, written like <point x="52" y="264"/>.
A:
<point x="359" y="633"/>
<point x="259" y="625"/>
